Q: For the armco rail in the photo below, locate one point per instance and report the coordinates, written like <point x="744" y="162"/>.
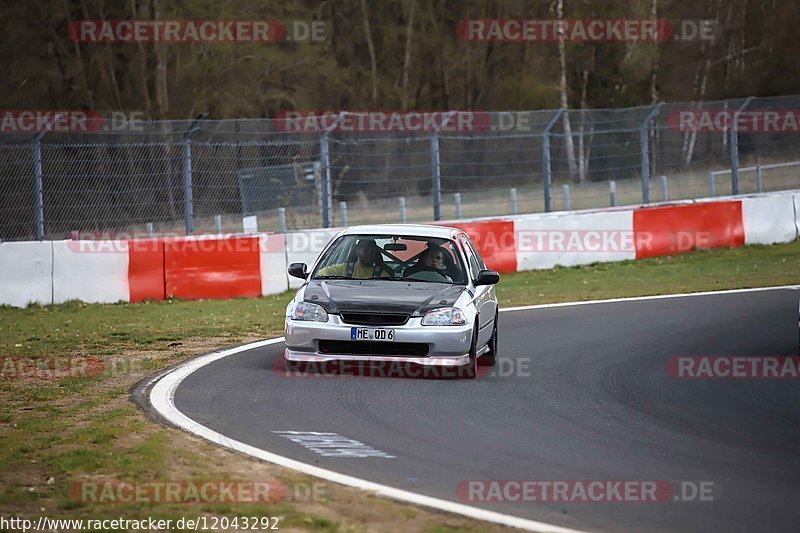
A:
<point x="231" y="266"/>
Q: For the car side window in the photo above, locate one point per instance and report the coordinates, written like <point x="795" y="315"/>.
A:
<point x="471" y="259"/>
<point x="478" y="258"/>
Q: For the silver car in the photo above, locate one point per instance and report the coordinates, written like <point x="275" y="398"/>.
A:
<point x="414" y="295"/>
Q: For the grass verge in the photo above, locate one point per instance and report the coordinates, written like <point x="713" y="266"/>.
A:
<point x="56" y="432"/>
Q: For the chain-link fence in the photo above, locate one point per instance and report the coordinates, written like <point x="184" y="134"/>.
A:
<point x="204" y="176"/>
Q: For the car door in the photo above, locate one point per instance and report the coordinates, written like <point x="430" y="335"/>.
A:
<point x="485" y="299"/>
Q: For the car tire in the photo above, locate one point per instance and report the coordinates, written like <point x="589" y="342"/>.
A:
<point x="470" y="370"/>
<point x="490" y="357"/>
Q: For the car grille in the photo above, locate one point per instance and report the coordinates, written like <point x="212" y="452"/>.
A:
<point x="374" y="319"/>
<point x="399" y="349"/>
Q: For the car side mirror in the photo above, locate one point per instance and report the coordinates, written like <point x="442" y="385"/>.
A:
<point x="298" y="270"/>
<point x="487" y="277"/>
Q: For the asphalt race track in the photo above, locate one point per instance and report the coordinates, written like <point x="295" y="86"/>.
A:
<point x="586" y="397"/>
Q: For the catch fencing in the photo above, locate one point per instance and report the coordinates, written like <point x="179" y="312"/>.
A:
<point x="206" y="176"/>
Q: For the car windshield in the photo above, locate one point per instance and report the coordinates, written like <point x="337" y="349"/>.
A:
<point x="392" y="258"/>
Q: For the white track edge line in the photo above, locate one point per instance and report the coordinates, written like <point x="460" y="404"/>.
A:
<point x="162" y="398"/>
<point x="643" y="298"/>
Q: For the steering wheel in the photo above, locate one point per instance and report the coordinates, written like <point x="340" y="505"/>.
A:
<point x="425" y="268"/>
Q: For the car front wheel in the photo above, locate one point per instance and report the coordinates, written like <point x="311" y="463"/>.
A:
<point x="490" y="357"/>
<point x="470" y="370"/>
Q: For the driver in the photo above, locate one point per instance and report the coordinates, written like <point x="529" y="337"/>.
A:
<point x="367" y="264"/>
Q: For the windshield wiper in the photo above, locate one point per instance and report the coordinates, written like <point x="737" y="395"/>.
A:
<point x="331" y="277"/>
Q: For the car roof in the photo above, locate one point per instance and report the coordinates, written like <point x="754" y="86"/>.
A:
<point x="410" y="230"/>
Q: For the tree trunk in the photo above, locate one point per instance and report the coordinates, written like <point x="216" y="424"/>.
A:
<point x="562" y="86"/>
<point x="371" y="48"/>
<point x="407" y="57"/>
<point x="583" y="161"/>
<point x="162" y="90"/>
<point x="700" y="85"/>
<point x="143" y="13"/>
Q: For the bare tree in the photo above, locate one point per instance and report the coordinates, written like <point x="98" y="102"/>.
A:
<point x="562" y="87"/>
<point x="407" y="55"/>
<point x="371" y="48"/>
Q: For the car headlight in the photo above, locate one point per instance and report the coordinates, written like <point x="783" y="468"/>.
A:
<point x="448" y="316"/>
<point x="309" y="312"/>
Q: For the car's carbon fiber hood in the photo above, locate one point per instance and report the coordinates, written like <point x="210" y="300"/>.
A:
<point x="381" y="296"/>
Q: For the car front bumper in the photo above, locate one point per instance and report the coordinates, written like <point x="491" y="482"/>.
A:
<point x="447" y="345"/>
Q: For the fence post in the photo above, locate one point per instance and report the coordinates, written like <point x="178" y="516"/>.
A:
<point x="513" y="201"/>
<point x="735" y="147"/>
<point x="457" y="199"/>
<point x="436" y="176"/>
<point x="149" y="229"/>
<point x="612" y="189"/>
<point x="282" y="219"/>
<point x="436" y="166"/>
<point x="758" y="178"/>
<point x="38" y="193"/>
<point x="664" y="191"/>
<point x="644" y="147"/>
<point x="546" y="170"/>
<point x="565" y="193"/>
<point x="711" y="178"/>
<point x="402" y="201"/>
<point x="343" y="211"/>
<point x="188" y="206"/>
<point x="218" y="223"/>
<point x="325" y="185"/>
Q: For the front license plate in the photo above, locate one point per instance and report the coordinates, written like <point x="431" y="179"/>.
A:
<point x="371" y="334"/>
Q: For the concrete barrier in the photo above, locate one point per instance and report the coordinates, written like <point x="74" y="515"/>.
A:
<point x="212" y="267"/>
<point x="215" y="266"/>
<point x="90" y="271"/>
<point x="274" y="278"/>
<point x="676" y="229"/>
<point x="305" y="247"/>
<point x="569" y="240"/>
<point x="769" y="219"/>
<point x="27" y="273"/>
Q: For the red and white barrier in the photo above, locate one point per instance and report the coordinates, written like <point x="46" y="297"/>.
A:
<point x="673" y="229"/>
<point x="232" y="266"/>
<point x="274" y="278"/>
<point x="95" y="275"/>
<point x="573" y="239"/>
<point x="212" y="267"/>
<point x="27" y="273"/>
<point x="769" y="219"/>
<point x="797" y="213"/>
<point x="305" y="246"/>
